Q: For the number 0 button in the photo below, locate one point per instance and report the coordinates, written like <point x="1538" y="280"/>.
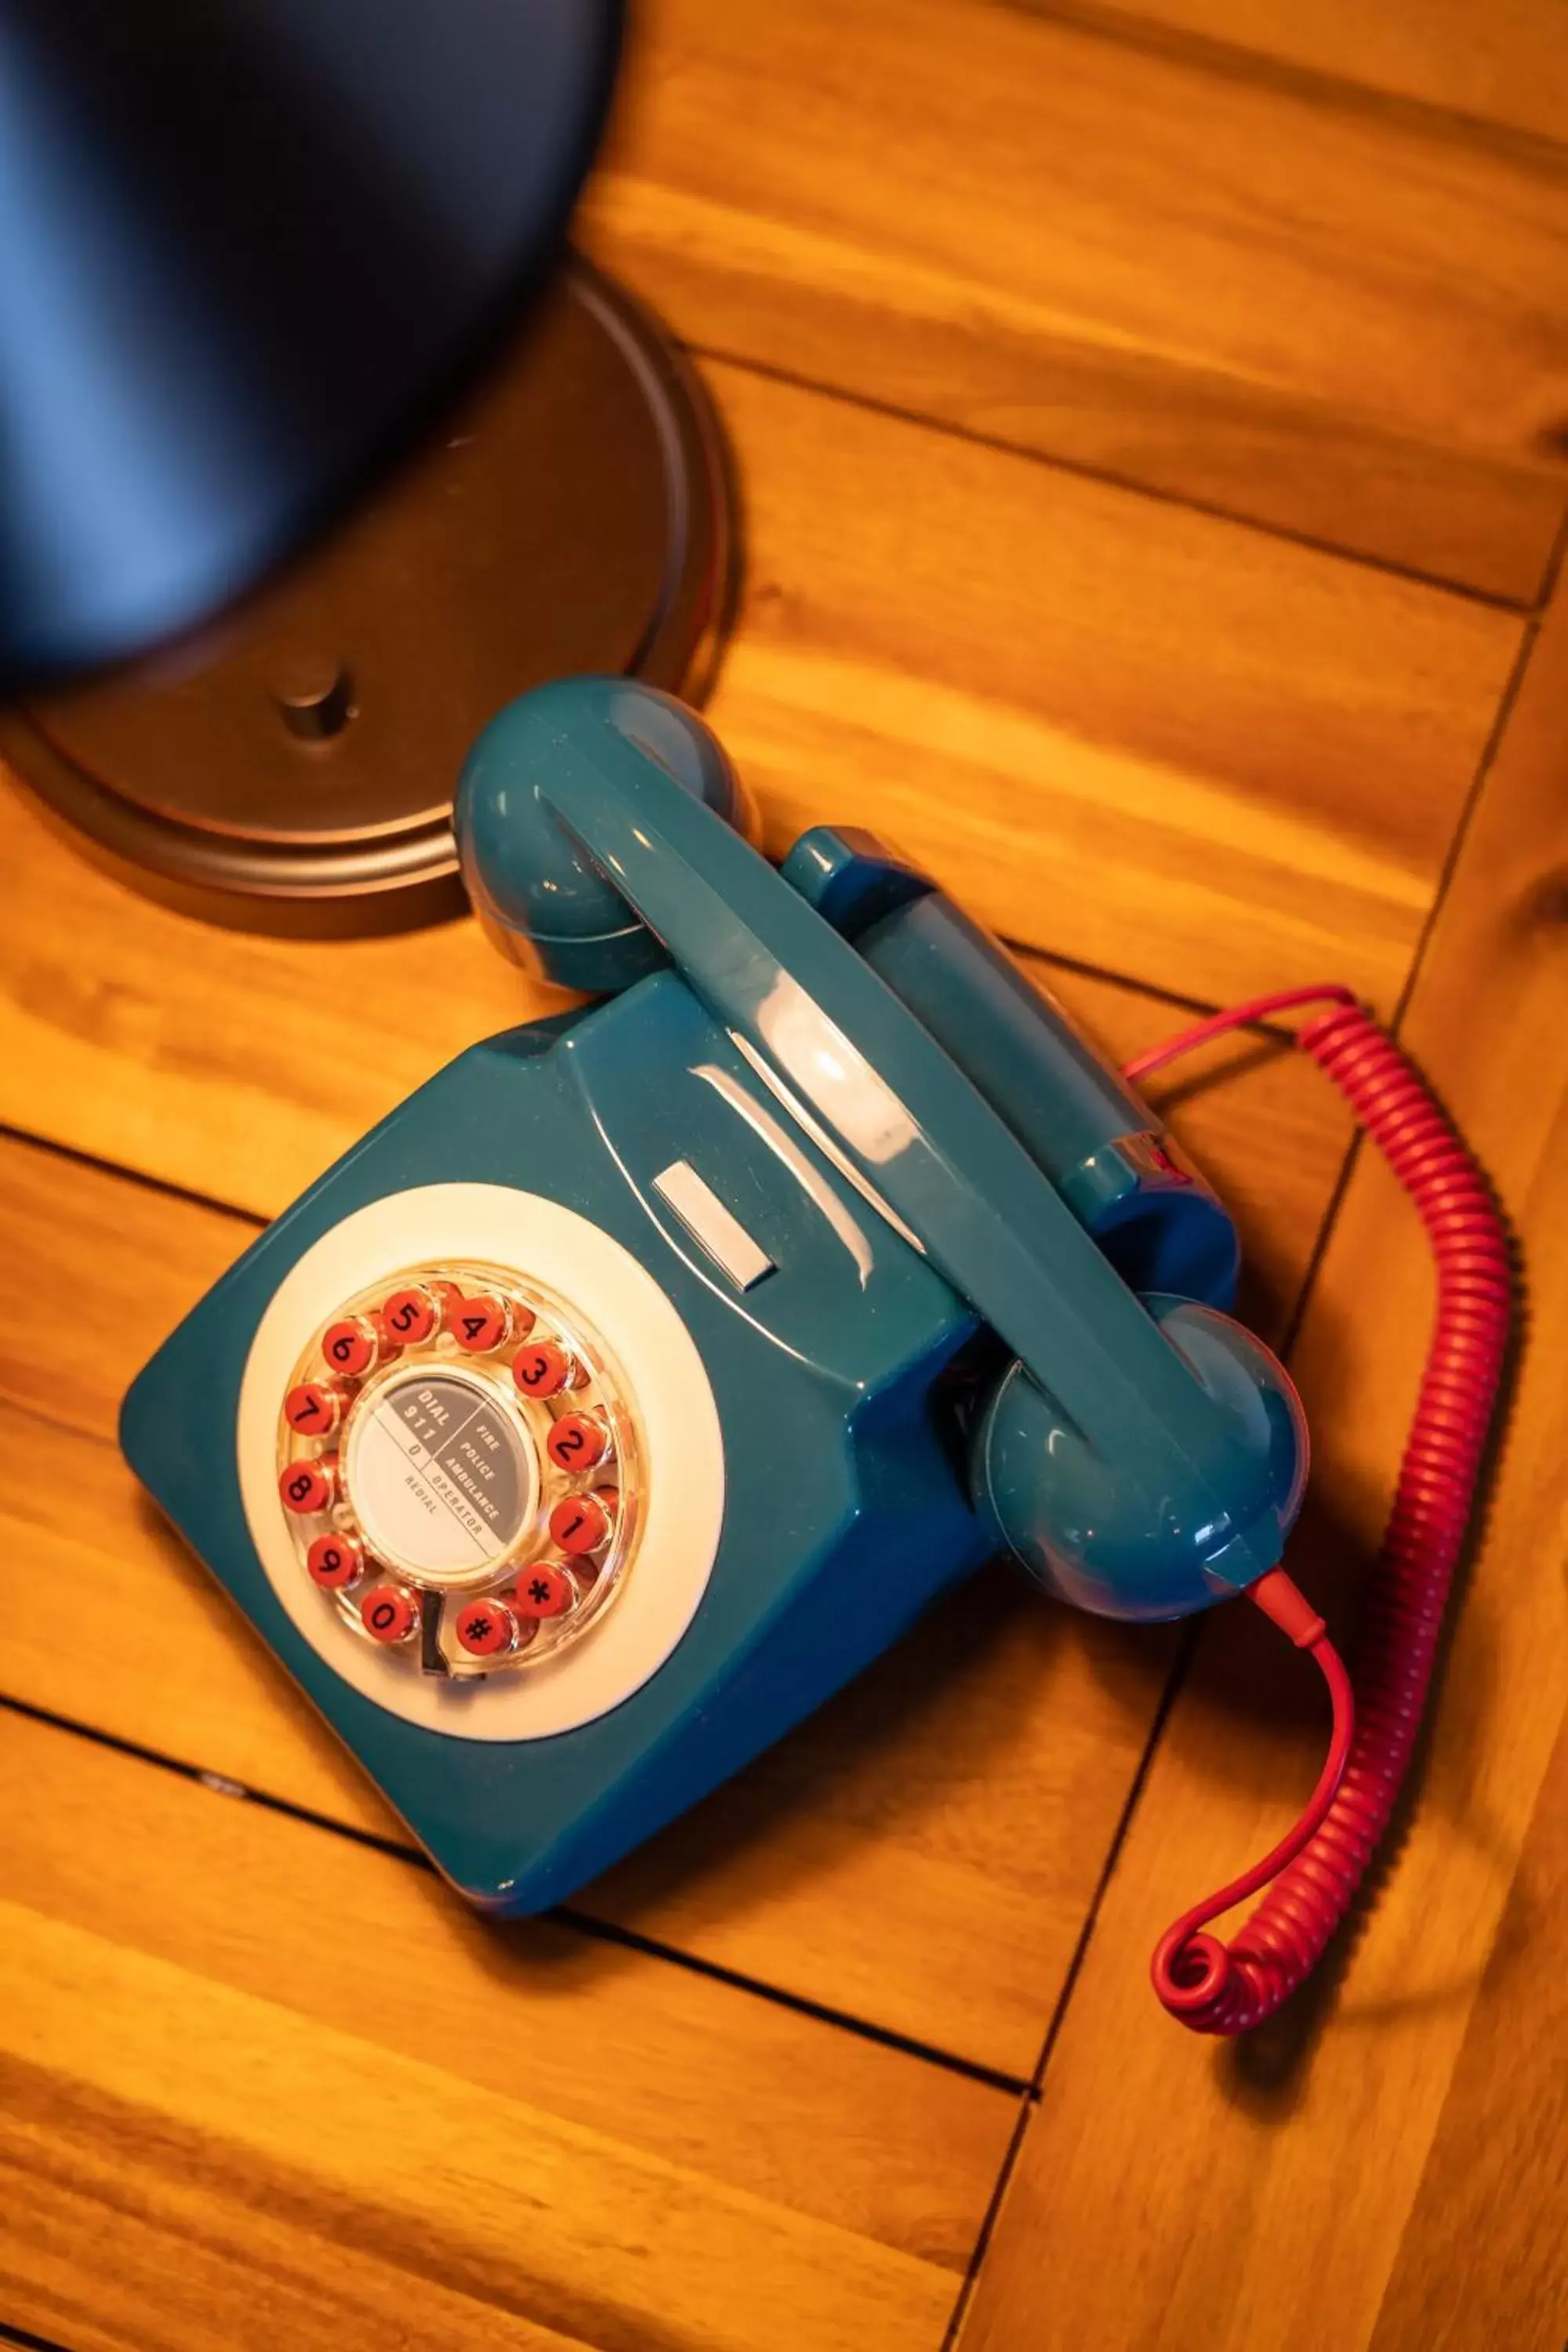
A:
<point x="307" y="1487"/>
<point x="388" y="1614"/>
<point x="576" y="1442"/>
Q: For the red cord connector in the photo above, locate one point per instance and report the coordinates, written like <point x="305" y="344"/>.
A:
<point x="1219" y="1988"/>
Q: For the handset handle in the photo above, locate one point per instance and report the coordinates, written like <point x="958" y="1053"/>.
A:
<point x="800" y="999"/>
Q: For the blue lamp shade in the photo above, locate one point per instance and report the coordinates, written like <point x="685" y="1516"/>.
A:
<point x="246" y="248"/>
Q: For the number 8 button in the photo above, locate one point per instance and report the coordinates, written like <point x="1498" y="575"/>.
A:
<point x="307" y="1487"/>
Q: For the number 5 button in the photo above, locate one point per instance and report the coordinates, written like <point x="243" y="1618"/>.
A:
<point x="410" y="1315"/>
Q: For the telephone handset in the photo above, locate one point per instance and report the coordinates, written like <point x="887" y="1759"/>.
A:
<point x="654" y="1365"/>
<point x="1144" y="1456"/>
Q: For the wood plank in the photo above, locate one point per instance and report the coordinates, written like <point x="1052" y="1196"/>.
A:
<point x="224" y="2027"/>
<point x="1249" y="2229"/>
<point x="1505" y="64"/>
<point x="1343" y="324"/>
<point x="857" y="1865"/>
<point x="1474" y="2247"/>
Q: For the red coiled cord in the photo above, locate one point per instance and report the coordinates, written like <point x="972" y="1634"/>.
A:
<point x="1214" y="1988"/>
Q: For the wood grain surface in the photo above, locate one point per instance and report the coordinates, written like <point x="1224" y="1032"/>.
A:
<point x="1502" y="65"/>
<point x="1128" y="256"/>
<point x="1149" y="420"/>
<point x="556" y="2092"/>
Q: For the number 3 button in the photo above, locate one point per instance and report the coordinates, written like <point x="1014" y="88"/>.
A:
<point x="542" y="1369"/>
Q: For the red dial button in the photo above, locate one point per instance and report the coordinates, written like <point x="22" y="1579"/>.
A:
<point x="352" y="1346"/>
<point x="410" y="1315"/>
<point x="307" y="1487"/>
<point x="580" y="1523"/>
<point x="576" y="1442"/>
<point x="480" y="1324"/>
<point x="545" y="1591"/>
<point x="388" y="1614"/>
<point x="314" y="1409"/>
<point x="542" y="1369"/>
<point x="386" y="1347"/>
<point x="334" y="1561"/>
<point x="485" y="1629"/>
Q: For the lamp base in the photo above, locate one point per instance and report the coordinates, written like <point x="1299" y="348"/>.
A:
<point x="293" y="772"/>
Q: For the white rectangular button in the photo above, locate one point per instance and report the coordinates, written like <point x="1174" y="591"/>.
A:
<point x="721" y="1234"/>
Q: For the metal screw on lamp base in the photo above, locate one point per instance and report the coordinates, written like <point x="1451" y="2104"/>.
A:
<point x="293" y="772"/>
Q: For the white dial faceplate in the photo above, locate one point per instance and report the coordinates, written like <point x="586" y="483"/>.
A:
<point x="443" y="1461"/>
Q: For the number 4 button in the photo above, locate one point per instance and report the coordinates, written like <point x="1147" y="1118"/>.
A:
<point x="480" y="1324"/>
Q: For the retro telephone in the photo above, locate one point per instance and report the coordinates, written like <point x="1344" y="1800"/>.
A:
<point x="646" y="1373"/>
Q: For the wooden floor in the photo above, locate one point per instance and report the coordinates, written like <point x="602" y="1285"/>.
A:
<point x="1151" y="421"/>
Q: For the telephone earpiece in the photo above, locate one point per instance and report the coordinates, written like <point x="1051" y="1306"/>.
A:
<point x="1144" y="1455"/>
<point x="545" y="903"/>
<point x="1094" y="1528"/>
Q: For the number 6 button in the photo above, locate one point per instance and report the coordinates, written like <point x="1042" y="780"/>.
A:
<point x="576" y="1442"/>
<point x="352" y="1346"/>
